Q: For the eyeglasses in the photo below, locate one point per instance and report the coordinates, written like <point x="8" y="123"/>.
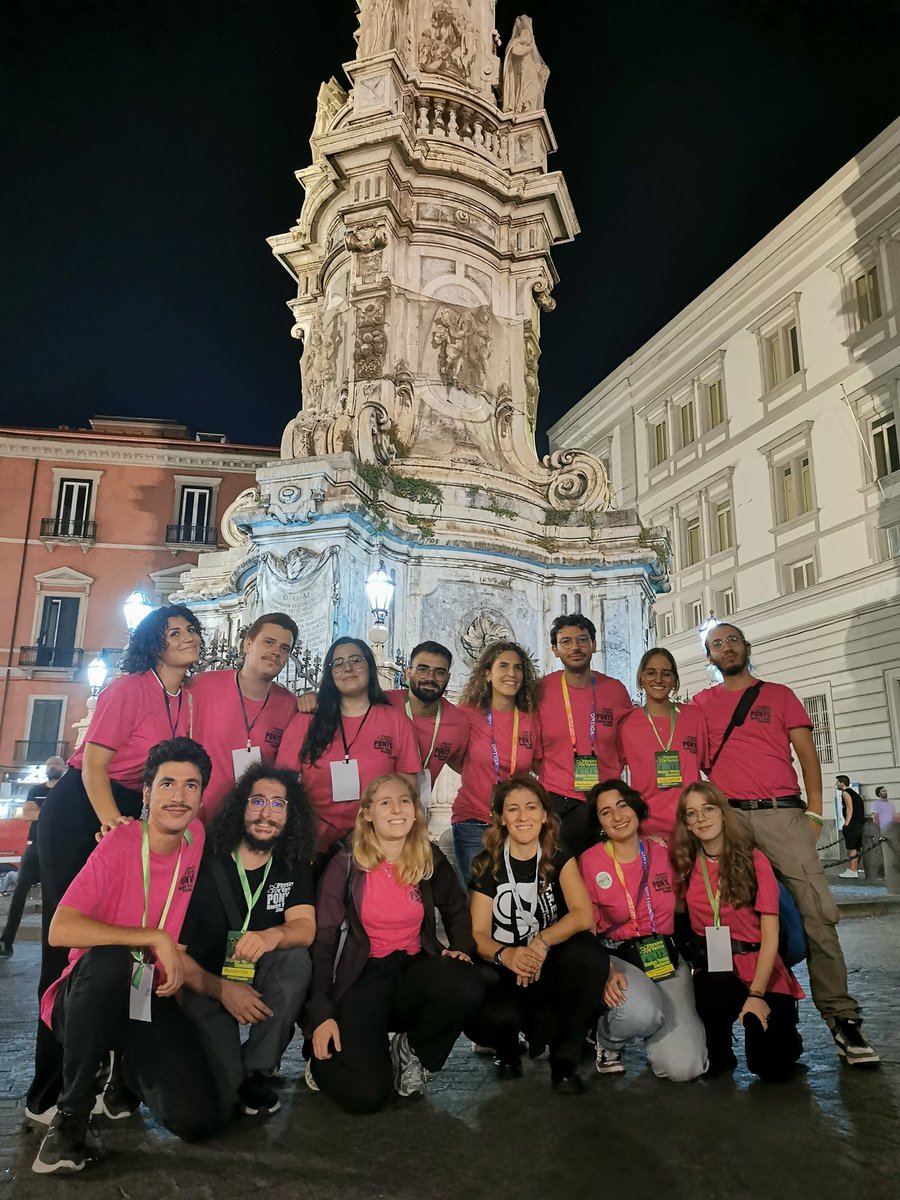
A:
<point x="665" y="676"/>
<point x="733" y="639"/>
<point x="422" y="672"/>
<point x="693" y="815"/>
<point x="260" y="802"/>
<point x="347" y="664"/>
<point x="583" y="639"/>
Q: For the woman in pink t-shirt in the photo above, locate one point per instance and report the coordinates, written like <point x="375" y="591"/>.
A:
<point x="500" y="700"/>
<point x="378" y="965"/>
<point x="732" y="898"/>
<point x="662" y="742"/>
<point x="353" y="736"/>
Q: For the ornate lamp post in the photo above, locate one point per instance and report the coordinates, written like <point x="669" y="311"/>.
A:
<point x="135" y="608"/>
<point x="713" y="673"/>
<point x="380" y="593"/>
<point x="97" y="671"/>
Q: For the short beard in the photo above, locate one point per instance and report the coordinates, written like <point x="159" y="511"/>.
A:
<point x="735" y="668"/>
<point x="261" y="845"/>
<point x="427" y="697"/>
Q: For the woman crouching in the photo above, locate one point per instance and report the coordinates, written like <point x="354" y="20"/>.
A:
<point x="377" y="962"/>
<point x="530" y="914"/>
<point x="732" y="899"/>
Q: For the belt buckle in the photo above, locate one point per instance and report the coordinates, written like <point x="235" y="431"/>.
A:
<point x="754" y="805"/>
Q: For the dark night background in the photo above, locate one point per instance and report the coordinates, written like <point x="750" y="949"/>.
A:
<point x="148" y="150"/>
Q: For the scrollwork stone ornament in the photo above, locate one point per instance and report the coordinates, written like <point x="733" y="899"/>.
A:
<point x="487" y="627"/>
<point x="541" y="290"/>
<point x="235" y="531"/>
<point x="578" y="480"/>
<point x="371" y="341"/>
<point x="365" y="238"/>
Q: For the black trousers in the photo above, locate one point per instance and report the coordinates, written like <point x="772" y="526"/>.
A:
<point x="429" y="998"/>
<point x="29" y="875"/>
<point x="556" y="1011"/>
<point x="771" y="1053"/>
<point x="162" y="1059"/>
<point x="66" y="836"/>
<point x="573" y="823"/>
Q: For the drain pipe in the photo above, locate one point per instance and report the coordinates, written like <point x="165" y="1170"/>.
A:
<point x="15" y="620"/>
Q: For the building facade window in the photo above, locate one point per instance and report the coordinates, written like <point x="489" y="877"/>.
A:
<point x="823" y="736"/>
<point x="693" y="543"/>
<point x="795" y="494"/>
<point x="725" y="602"/>
<point x="724" y="526"/>
<point x="801" y="575"/>
<point x="885" y="449"/>
<point x="715" y="403"/>
<point x="782" y="354"/>
<point x="687" y="424"/>
<point x="194" y="514"/>
<point x="892" y="536"/>
<point x="866" y="297"/>
<point x="659" y="442"/>
<point x="666" y="624"/>
<point x="696" y="613"/>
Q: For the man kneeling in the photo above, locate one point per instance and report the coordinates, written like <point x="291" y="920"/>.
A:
<point x="250" y="920"/>
<point x="122" y="915"/>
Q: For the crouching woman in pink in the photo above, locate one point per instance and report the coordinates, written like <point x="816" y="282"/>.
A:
<point x="378" y="965"/>
<point x="732" y="898"/>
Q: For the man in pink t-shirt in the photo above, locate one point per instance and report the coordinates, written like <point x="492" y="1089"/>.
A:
<point x="579" y="715"/>
<point x="122" y="916"/>
<point x="240" y="716"/>
<point x="753" y="766"/>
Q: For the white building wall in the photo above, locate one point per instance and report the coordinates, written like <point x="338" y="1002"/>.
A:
<point x="838" y="639"/>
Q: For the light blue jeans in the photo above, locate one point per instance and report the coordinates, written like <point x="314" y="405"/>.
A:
<point x="468" y="841"/>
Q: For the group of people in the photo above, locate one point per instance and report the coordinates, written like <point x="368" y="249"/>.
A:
<point x="219" y="854"/>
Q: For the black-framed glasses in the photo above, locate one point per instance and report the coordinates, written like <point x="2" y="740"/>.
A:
<point x="422" y="672"/>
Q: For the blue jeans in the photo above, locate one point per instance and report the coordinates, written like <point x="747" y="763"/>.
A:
<point x="468" y="840"/>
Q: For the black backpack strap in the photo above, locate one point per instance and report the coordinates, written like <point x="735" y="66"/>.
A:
<point x="738" y="717"/>
<point x="226" y="895"/>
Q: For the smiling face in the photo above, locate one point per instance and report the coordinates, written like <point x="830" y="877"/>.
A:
<point x="265" y="814"/>
<point x="617" y="818"/>
<point x="392" y="812"/>
<point x="506" y="674"/>
<point x="349" y="669"/>
<point x="523" y="816"/>
<point x="173" y="799"/>
<point x="181" y="644"/>
<point x="727" y="649"/>
<point x="704" y="820"/>
<point x="428" y="676"/>
<point x="574" y="647"/>
<point x="657" y="678"/>
<point x="266" y="654"/>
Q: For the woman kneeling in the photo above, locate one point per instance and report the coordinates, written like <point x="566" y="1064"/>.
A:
<point x="733" y="898"/>
<point x="530" y="914"/>
<point x="377" y="961"/>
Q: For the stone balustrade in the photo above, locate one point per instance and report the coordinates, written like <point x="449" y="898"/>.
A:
<point x="456" y="121"/>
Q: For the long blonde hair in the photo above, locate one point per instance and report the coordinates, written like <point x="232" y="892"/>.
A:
<point x="416" y="861"/>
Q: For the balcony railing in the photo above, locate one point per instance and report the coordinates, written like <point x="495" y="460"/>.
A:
<point x="78" y="530"/>
<point x="191" y="535"/>
<point x="59" y="658"/>
<point x="38" y="752"/>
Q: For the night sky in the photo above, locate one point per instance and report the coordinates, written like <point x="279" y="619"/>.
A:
<point x="148" y="149"/>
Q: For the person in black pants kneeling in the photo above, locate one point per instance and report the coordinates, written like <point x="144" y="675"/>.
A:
<point x="530" y="915"/>
<point x="377" y="962"/>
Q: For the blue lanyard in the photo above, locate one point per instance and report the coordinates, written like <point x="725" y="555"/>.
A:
<point x="514" y="753"/>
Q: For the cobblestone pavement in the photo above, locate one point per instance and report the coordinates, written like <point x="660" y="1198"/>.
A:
<point x="832" y="1132"/>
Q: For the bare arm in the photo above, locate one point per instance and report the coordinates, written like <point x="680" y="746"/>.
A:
<point x="30" y="811"/>
<point x="241" y="1000"/>
<point x="299" y="929"/>
<point x="765" y="962"/>
<point x="580" y="915"/>
<point x="805" y="749"/>
<point x="95" y="776"/>
<point x="522" y="961"/>
<point x="72" y="928"/>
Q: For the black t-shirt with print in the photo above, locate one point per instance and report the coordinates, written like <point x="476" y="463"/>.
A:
<point x="206" y="925"/>
<point x="506" y="925"/>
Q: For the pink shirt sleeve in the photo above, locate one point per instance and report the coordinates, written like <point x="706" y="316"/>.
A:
<point x="768" y="894"/>
<point x="291" y="741"/>
<point x="118" y="711"/>
<point x="794" y="714"/>
<point x="407" y="756"/>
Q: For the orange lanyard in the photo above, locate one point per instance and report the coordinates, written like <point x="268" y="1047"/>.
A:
<point x="571" y="720"/>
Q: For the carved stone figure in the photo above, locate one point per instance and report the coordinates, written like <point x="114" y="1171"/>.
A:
<point x="329" y="102"/>
<point x="463" y="340"/>
<point x="318" y="362"/>
<point x="371" y="342"/>
<point x="447" y="47"/>
<point x="525" y="73"/>
<point x="365" y="238"/>
<point x="380" y="25"/>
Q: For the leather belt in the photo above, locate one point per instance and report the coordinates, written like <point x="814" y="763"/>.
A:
<point x="775" y="802"/>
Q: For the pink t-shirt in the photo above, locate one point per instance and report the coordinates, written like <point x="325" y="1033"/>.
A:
<point x="479" y="776"/>
<point x="452" y="734"/>
<point x="131" y="718"/>
<point x="219" y="726"/>
<point x="392" y="913"/>
<point x="383" y="742"/>
<point x="639" y="745"/>
<point x="557" y="771"/>
<point x="743" y="922"/>
<point x="756" y="761"/>
<point x="110" y="888"/>
<point x="611" y="911"/>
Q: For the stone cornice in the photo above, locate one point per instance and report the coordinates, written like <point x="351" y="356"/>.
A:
<point x="144" y="456"/>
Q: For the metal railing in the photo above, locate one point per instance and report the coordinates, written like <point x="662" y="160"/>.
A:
<point x="56" y="527"/>
<point x="38" y="752"/>
<point x="59" y="658"/>
<point x="191" y="535"/>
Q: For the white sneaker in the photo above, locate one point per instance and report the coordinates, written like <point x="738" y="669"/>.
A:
<point x="609" y="1062"/>
<point x="44" y="1118"/>
<point x="848" y="874"/>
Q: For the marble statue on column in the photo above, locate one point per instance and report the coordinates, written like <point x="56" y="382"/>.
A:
<point x="380" y="22"/>
<point x="525" y="73"/>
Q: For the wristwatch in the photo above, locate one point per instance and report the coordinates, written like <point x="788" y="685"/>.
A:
<point x="498" y="961"/>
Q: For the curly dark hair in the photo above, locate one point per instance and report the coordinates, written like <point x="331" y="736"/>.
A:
<point x="148" y="640"/>
<point x="296" y="846"/>
<point x="326" y="718"/>
<point x="632" y="798"/>
<point x="489" y="863"/>
<point x="477" y="690"/>
<point x="179" y="749"/>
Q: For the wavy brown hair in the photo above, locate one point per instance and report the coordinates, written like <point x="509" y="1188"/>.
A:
<point x="737" y="871"/>
<point x="477" y="690"/>
<point x="489" y="863"/>
<point x="416" y="861"/>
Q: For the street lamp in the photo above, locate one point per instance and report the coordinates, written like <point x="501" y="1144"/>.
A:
<point x="97" y="671"/>
<point x="379" y="593"/>
<point x="712" y="672"/>
<point x="135" y="608"/>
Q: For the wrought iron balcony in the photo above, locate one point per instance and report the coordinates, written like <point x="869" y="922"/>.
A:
<point x="191" y="535"/>
<point x="67" y="530"/>
<point x="38" y="752"/>
<point x="51" y="658"/>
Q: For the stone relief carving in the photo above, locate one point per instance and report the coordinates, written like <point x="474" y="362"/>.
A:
<point x="365" y="238"/>
<point x="318" y="362"/>
<point x="525" y="73"/>
<point x="486" y="628"/>
<point x="293" y="505"/>
<point x="371" y="340"/>
<point x="542" y="292"/>
<point x="330" y="100"/>
<point x="447" y="48"/>
<point x="234" y="531"/>
<point x="462" y="337"/>
<point x="374" y="429"/>
<point x="381" y="23"/>
<point x="578" y="480"/>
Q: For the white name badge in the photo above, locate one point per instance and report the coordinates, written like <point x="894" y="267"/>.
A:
<point x="344" y="781"/>
<point x="140" y="994"/>
<point x="244" y="758"/>
<point x="718" y="948"/>
<point x="423" y="780"/>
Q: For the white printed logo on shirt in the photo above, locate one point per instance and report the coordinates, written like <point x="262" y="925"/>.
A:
<point x="505" y="910"/>
<point x="276" y="896"/>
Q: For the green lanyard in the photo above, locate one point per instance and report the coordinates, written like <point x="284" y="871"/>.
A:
<point x="251" y="900"/>
<point x="437" y="725"/>
<point x="713" y="900"/>
<point x="138" y="955"/>
<point x="668" y="745"/>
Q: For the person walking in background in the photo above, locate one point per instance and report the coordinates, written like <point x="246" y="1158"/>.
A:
<point x="883" y="811"/>
<point x="854" y="819"/>
<point x="30" y="866"/>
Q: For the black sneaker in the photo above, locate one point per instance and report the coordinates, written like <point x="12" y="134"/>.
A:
<point x="851" y="1045"/>
<point x="116" y="1101"/>
<point x="508" y="1068"/>
<point x="257" y="1095"/>
<point x="64" y="1146"/>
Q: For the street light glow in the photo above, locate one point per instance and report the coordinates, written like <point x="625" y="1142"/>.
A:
<point x="135" y="608"/>
<point x="380" y="592"/>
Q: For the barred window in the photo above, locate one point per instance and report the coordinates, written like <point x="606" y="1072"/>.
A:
<point x="817" y="707"/>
